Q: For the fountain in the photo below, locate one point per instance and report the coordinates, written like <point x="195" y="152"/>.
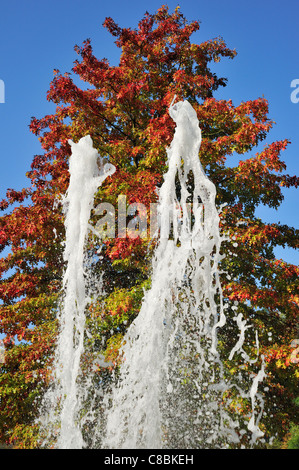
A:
<point x="171" y="383"/>
<point x="170" y="386"/>
<point x="85" y="178"/>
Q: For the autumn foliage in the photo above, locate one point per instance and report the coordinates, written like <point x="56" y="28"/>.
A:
<point x="125" y="110"/>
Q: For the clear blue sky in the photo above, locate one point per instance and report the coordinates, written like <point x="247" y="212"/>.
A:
<point x="37" y="36"/>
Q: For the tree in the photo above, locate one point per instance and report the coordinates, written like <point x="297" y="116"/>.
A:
<point x="125" y="110"/>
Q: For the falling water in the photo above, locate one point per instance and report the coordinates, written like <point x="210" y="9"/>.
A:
<point x="171" y="385"/>
<point x="85" y="178"/>
<point x="169" y="390"/>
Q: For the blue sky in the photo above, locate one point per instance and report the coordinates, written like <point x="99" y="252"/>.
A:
<point x="37" y="36"/>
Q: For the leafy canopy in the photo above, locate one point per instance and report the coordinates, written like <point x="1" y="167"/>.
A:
<point x="125" y="110"/>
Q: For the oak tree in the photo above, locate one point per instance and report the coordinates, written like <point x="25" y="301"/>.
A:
<point x="125" y="110"/>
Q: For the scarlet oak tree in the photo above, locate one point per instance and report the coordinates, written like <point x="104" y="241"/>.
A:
<point x="125" y="110"/>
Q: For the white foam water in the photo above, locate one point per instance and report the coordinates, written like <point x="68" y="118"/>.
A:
<point x="170" y="389"/>
<point x="62" y="403"/>
<point x="168" y="392"/>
